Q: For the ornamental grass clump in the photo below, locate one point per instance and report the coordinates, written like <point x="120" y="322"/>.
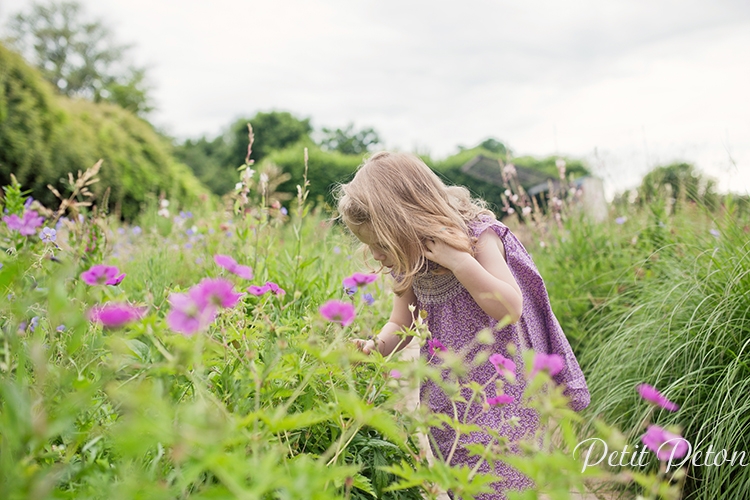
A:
<point x="678" y="314"/>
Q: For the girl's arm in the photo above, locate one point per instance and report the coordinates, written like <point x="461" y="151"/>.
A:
<point x="486" y="275"/>
<point x="389" y="340"/>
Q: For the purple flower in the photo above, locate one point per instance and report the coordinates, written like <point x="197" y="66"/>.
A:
<point x="650" y="394"/>
<point x="28" y="202"/>
<point x="284" y="211"/>
<point x="336" y="311"/>
<point x="621" y="220"/>
<point x="102" y="275"/>
<point x="665" y="444"/>
<point x="215" y="292"/>
<point x="186" y="316"/>
<point x="553" y="363"/>
<point x="714" y="232"/>
<point x="368" y="298"/>
<point x="503" y="365"/>
<point x="434" y="345"/>
<point x="115" y="315"/>
<point x="258" y="290"/>
<point x="395" y="374"/>
<point x="500" y="399"/>
<point x="48" y="235"/>
<point x="60" y="328"/>
<point x="270" y="286"/>
<point x="337" y="250"/>
<point x="33" y="323"/>
<point x="276" y="289"/>
<point x="26" y="225"/>
<point x="233" y="267"/>
<point x="357" y="280"/>
<point x="136" y="230"/>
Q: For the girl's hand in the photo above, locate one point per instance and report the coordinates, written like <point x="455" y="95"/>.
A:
<point x="444" y="254"/>
<point x="366" y="346"/>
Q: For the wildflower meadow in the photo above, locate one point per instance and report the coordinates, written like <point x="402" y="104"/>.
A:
<point x="205" y="352"/>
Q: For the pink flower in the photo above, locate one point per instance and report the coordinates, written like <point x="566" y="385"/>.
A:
<point x="216" y="292"/>
<point x="102" y="275"/>
<point x="258" y="290"/>
<point x="357" y="280"/>
<point x="553" y="363"/>
<point x="500" y="399"/>
<point x="186" y="316"/>
<point x="395" y="374"/>
<point x="115" y="315"/>
<point x="231" y="265"/>
<point x="650" y="394"/>
<point x="270" y="286"/>
<point x="665" y="444"/>
<point x="338" y="312"/>
<point x="26" y="225"/>
<point x="435" y="345"/>
<point x="276" y="289"/>
<point x="502" y="364"/>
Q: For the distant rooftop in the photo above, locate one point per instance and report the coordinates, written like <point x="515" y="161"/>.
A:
<point x="490" y="170"/>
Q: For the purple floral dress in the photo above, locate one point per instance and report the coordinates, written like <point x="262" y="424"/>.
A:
<point x="454" y="318"/>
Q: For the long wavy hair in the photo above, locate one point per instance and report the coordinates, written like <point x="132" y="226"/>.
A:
<point x="404" y="204"/>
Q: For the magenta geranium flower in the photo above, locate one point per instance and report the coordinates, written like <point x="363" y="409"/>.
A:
<point x="553" y="363"/>
<point x="395" y="374"/>
<point x="231" y="265"/>
<point x="434" y="345"/>
<point x="503" y="365"/>
<point x="665" y="444"/>
<point x="500" y="399"/>
<point x="25" y="225"/>
<point x="357" y="280"/>
<point x="336" y="311"/>
<point x="115" y="315"/>
<point x="216" y="292"/>
<point x="270" y="286"/>
<point x="102" y="275"/>
<point x="258" y="290"/>
<point x="650" y="394"/>
<point x="276" y="289"/>
<point x="187" y="316"/>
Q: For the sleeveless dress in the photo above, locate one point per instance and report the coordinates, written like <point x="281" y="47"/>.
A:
<point x="454" y="318"/>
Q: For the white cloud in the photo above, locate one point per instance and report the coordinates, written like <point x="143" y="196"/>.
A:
<point x="642" y="82"/>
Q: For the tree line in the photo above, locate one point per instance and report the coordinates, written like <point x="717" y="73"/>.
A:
<point x="96" y="102"/>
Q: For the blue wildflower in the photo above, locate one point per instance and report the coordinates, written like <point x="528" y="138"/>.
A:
<point x="48" y="235"/>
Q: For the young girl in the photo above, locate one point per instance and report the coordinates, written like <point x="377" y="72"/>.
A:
<point x="453" y="259"/>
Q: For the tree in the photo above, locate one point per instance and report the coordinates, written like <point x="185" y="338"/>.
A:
<point x="492" y="145"/>
<point x="349" y="141"/>
<point x="678" y="181"/>
<point x="79" y="57"/>
<point x="273" y="130"/>
<point x="215" y="161"/>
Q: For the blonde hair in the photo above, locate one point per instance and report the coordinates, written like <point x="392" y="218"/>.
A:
<point x="405" y="203"/>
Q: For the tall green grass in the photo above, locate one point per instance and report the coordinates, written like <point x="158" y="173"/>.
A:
<point x="663" y="299"/>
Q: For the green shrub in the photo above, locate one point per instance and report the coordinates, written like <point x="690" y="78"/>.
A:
<point x="43" y="137"/>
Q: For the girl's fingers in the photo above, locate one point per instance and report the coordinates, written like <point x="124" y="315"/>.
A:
<point x="362" y="345"/>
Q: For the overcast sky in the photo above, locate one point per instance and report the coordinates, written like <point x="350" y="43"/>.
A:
<point x="624" y="84"/>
